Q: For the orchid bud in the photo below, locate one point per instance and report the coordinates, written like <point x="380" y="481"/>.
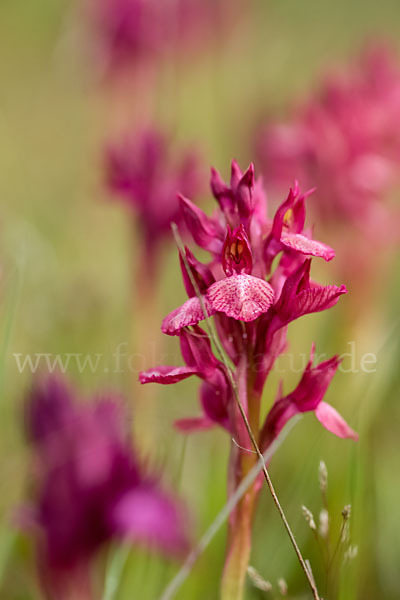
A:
<point x="222" y="193"/>
<point x="244" y="194"/>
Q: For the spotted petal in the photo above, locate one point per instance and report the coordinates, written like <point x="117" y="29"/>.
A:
<point x="242" y="297"/>
<point x="304" y="245"/>
<point x="190" y="313"/>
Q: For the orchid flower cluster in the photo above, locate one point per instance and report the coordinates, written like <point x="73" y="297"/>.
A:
<point x="90" y="488"/>
<point x="346" y="142"/>
<point x="140" y="172"/>
<point x="252" y="303"/>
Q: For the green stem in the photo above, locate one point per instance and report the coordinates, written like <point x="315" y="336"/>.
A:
<point x="239" y="547"/>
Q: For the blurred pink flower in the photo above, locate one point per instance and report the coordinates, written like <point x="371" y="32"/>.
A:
<point x="346" y="141"/>
<point x="141" y="173"/>
<point x="90" y="487"/>
<point x="129" y="31"/>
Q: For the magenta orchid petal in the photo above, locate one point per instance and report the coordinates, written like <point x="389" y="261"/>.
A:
<point x="215" y="399"/>
<point x="167" y="375"/>
<point x="242" y="297"/>
<point x="300" y="243"/>
<point x="299" y="297"/>
<point x="196" y="351"/>
<point x="190" y="313"/>
<point x="221" y="192"/>
<point x="316" y="299"/>
<point x="333" y="422"/>
<point x="287" y="233"/>
<point x="282" y="212"/>
<point x="206" y="232"/>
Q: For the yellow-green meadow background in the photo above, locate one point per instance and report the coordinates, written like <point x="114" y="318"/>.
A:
<point x="67" y="267"/>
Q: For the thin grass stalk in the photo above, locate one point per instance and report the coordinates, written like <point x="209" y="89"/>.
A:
<point x="176" y="583"/>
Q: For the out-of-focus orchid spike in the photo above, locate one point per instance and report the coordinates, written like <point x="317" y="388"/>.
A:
<point x="91" y="487"/>
<point x="342" y="139"/>
<point x="141" y="173"/>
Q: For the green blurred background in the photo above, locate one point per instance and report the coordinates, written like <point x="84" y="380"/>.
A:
<point x="67" y="267"/>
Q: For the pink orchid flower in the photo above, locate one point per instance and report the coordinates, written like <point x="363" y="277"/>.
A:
<point x="251" y="316"/>
<point x="307" y="397"/>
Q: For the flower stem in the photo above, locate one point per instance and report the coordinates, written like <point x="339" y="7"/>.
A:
<point x="239" y="547"/>
<point x="185" y="570"/>
<point x="275" y="497"/>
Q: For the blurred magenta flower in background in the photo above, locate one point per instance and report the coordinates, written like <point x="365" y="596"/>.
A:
<point x="344" y="140"/>
<point x="132" y="31"/>
<point x="141" y="172"/>
<point x="90" y="486"/>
